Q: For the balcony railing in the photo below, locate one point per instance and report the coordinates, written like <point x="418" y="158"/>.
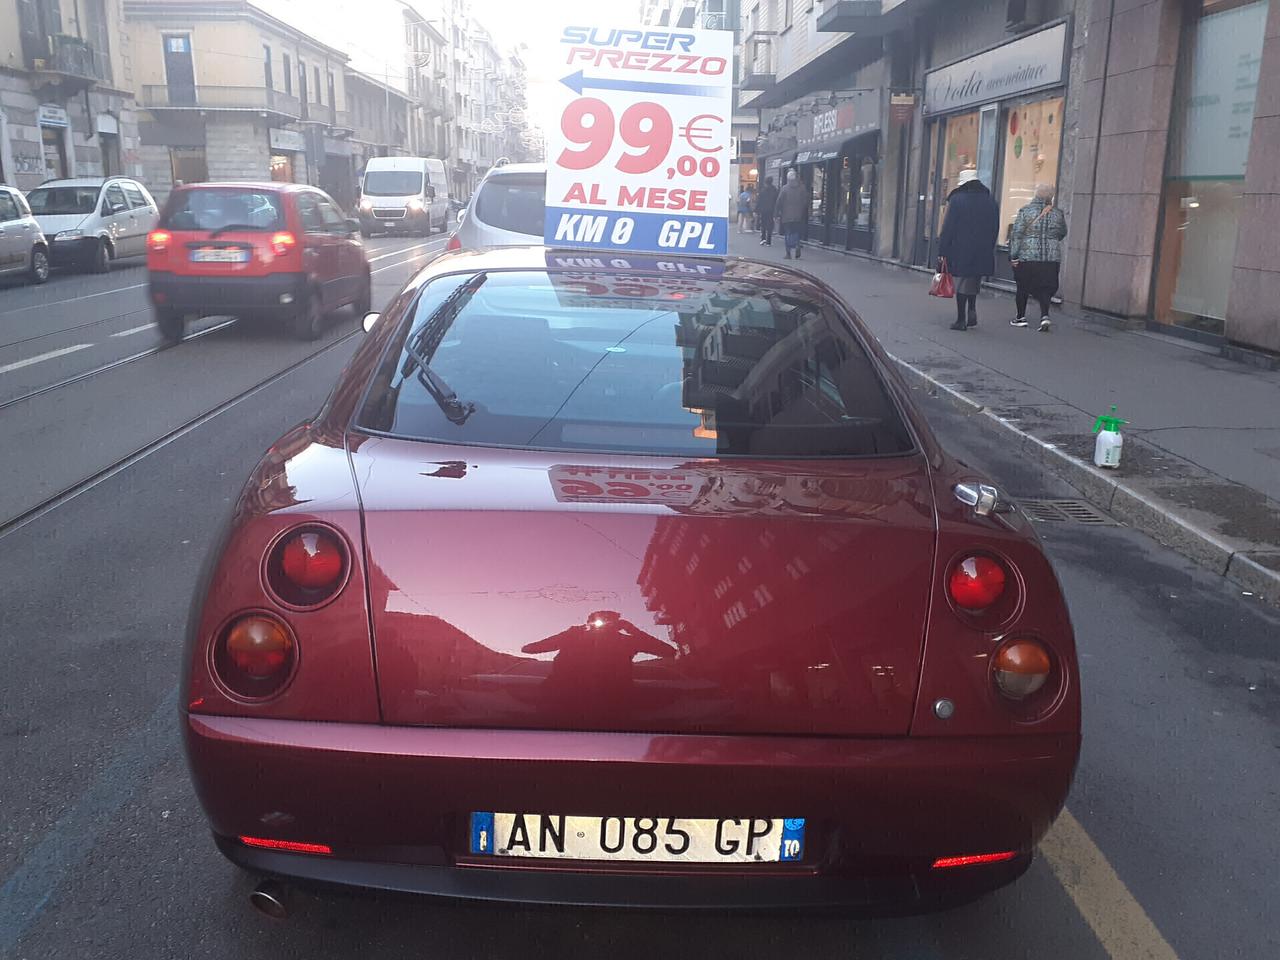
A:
<point x="71" y="57"/>
<point x="759" y="68"/>
<point x="213" y="97"/>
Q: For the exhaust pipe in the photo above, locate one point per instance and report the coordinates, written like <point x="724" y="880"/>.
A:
<point x="269" y="898"/>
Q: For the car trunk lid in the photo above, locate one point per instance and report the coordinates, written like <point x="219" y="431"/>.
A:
<point x="561" y="591"/>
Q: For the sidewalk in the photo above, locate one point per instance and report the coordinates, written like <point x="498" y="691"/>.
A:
<point x="1201" y="466"/>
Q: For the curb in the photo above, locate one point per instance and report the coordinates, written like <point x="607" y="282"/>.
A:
<point x="1117" y="498"/>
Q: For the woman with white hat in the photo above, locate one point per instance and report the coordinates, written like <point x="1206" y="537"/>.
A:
<point x="968" y="243"/>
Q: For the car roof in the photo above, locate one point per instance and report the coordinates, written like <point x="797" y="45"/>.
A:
<point x="535" y="257"/>
<point x="83" y="181"/>
<point x="247" y="185"/>
<point x="507" y="168"/>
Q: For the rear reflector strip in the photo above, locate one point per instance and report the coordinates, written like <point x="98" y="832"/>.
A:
<point x="289" y="846"/>
<point x="942" y="863"/>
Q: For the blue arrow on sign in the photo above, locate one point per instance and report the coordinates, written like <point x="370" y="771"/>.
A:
<point x="577" y="83"/>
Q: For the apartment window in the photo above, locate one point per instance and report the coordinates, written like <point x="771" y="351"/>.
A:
<point x="287" y="69"/>
<point x="333" y="100"/>
<point x="99" y="37"/>
<point x="266" y="67"/>
<point x="786" y="13"/>
<point x="319" y="91"/>
<point x="302" y="81"/>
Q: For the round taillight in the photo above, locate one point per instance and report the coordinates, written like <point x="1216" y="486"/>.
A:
<point x="1021" y="668"/>
<point x="255" y="656"/>
<point x="307" y="567"/>
<point x="977" y="582"/>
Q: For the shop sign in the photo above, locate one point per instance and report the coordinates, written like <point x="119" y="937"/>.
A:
<point x="289" y="140"/>
<point x="1031" y="63"/>
<point x="638" y="139"/>
<point x="901" y="107"/>
<point x="106" y="123"/>
<point x="49" y="115"/>
<point x="338" y="148"/>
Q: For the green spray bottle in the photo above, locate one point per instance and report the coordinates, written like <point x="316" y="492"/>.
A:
<point x="1106" y="449"/>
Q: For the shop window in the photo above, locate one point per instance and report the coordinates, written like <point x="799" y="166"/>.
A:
<point x="841" y="217"/>
<point x="188" y="165"/>
<point x="55" y="153"/>
<point x="1208" y="150"/>
<point x="817" y="188"/>
<point x="866" y="193"/>
<point x="1032" y="145"/>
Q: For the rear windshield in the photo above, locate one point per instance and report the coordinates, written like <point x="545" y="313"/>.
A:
<point x="626" y="363"/>
<point x="513" y="203"/>
<point x="51" y="201"/>
<point x="392" y="183"/>
<point x="224" y="209"/>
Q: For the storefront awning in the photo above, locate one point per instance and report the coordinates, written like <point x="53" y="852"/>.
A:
<point x="822" y="136"/>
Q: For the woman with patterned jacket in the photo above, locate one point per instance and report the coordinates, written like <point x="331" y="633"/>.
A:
<point x="1035" y="250"/>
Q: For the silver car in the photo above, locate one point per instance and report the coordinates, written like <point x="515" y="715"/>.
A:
<point x="23" y="248"/>
<point x="91" y="221"/>
<point x="506" y="210"/>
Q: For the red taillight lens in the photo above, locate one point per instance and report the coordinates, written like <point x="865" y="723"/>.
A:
<point x="158" y="240"/>
<point x="283" y="242"/>
<point x="255" y="656"/>
<point x="289" y="846"/>
<point x="1021" y="668"/>
<point x="453" y="244"/>
<point x="977" y="582"/>
<point x="307" y="567"/>
<point x="942" y="863"/>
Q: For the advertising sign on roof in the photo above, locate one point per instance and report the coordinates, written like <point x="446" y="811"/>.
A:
<point x="638" y="143"/>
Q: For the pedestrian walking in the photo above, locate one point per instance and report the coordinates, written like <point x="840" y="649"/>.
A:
<point x="793" y="210"/>
<point x="1035" y="251"/>
<point x="766" y="209"/>
<point x="745" y="199"/>
<point x="968" y="243"/>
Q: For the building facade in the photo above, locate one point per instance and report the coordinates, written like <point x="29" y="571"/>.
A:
<point x="1155" y="121"/>
<point x="66" y="106"/>
<point x="232" y="93"/>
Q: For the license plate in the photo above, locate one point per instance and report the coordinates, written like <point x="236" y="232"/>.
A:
<point x="643" y="839"/>
<point x="388" y="223"/>
<point x="220" y="255"/>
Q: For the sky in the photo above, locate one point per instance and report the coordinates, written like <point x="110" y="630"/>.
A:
<point x="536" y="23"/>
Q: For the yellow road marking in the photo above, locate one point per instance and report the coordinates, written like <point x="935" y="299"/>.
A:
<point x="1116" y="918"/>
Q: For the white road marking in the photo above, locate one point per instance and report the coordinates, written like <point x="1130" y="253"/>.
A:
<point x="19" y="364"/>
<point x="87" y="296"/>
<point x="1116" y="918"/>
<point x="416" y="246"/>
<point x="132" y="330"/>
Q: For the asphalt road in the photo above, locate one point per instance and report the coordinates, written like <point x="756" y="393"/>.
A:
<point x="1168" y="849"/>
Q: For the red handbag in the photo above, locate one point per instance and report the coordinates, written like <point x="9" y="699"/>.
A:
<point x="943" y="285"/>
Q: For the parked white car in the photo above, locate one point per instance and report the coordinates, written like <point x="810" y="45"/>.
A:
<point x="90" y="221"/>
<point x="23" y="249"/>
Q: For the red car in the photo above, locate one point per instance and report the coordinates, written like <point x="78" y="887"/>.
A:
<point x="282" y="251"/>
<point x="628" y="580"/>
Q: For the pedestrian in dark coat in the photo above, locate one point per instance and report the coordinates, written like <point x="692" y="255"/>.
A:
<point x="793" y="210"/>
<point x="968" y="243"/>
<point x="766" y="203"/>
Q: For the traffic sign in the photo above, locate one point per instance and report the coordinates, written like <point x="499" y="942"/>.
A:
<point x="638" y="145"/>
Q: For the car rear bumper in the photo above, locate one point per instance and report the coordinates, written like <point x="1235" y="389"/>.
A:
<point x="393" y="803"/>
<point x="272" y="293"/>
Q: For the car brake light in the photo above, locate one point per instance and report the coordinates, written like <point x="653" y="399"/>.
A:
<point x="453" y="244"/>
<point x="977" y="582"/>
<point x="282" y="242"/>
<point x="158" y="240"/>
<point x="254" y="656"/>
<point x="943" y="863"/>
<point x="1021" y="668"/>
<point x="289" y="846"/>
<point x="307" y="567"/>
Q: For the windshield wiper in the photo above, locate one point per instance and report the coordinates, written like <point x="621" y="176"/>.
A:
<point x="233" y="226"/>
<point x="422" y="345"/>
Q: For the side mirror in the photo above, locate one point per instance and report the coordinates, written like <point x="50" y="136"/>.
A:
<point x="462" y="214"/>
<point x="431" y="193"/>
<point x="353" y="225"/>
<point x="369" y="320"/>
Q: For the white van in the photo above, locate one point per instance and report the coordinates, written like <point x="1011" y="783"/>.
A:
<point x="404" y="195"/>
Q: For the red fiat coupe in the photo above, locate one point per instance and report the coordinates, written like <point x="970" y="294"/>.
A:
<point x="628" y="580"/>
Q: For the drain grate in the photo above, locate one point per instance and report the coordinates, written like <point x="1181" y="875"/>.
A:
<point x="1064" y="511"/>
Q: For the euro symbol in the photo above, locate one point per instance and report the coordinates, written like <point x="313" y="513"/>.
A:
<point x="696" y="130"/>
